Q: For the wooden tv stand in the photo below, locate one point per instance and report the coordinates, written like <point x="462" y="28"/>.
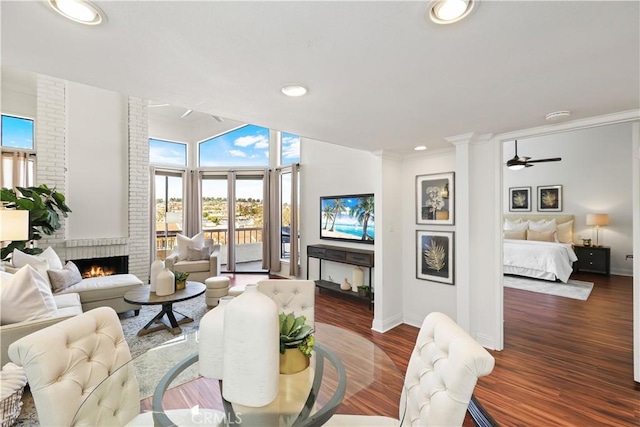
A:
<point x="359" y="257"/>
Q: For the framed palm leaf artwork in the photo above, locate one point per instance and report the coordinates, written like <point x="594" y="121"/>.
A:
<point x="520" y="199"/>
<point x="550" y="198"/>
<point x="434" y="256"/>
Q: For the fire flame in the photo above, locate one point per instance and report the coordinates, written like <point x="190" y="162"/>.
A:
<point x="97" y="271"/>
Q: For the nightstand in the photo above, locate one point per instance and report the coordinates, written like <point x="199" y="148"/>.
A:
<point x="594" y="259"/>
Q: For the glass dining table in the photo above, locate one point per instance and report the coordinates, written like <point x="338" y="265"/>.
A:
<point x="344" y="366"/>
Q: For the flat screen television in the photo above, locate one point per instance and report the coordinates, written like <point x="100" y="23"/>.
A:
<point x="348" y="218"/>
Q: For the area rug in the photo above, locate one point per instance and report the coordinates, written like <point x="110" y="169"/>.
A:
<point x="194" y="308"/>
<point x="576" y="289"/>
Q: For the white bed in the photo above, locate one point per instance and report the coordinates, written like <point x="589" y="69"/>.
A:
<point x="537" y="259"/>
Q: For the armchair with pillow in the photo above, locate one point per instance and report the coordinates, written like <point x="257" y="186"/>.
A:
<point x="28" y="305"/>
<point x="195" y="256"/>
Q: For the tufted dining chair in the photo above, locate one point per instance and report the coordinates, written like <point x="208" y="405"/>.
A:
<point x="66" y="361"/>
<point x="443" y="370"/>
<point x="297" y="296"/>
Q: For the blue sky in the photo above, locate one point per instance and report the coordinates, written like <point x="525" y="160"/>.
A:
<point x="167" y="153"/>
<point x="17" y="132"/>
<point x="246" y="146"/>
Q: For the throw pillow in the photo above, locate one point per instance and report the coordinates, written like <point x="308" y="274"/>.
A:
<point x="515" y="235"/>
<point x="515" y="225"/>
<point x="543" y="225"/>
<point x="541" y="236"/>
<point x="184" y="243"/>
<point x="25" y="296"/>
<point x="65" y="277"/>
<point x="52" y="258"/>
<point x="564" y="232"/>
<point x="198" y="254"/>
<point x="19" y="259"/>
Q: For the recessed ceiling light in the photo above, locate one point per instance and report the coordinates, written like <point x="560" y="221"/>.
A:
<point x="450" y="11"/>
<point x="420" y="148"/>
<point x="557" y="115"/>
<point x="294" y="89"/>
<point x="81" y="11"/>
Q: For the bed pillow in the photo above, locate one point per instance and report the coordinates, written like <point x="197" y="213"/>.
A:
<point x="64" y="277"/>
<point x="184" y="243"/>
<point x="564" y="232"/>
<point x="543" y="225"/>
<point x="19" y="259"/>
<point x="515" y="235"/>
<point x="25" y="296"/>
<point x="516" y="225"/>
<point x="541" y="236"/>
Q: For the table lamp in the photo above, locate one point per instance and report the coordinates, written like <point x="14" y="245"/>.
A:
<point x="14" y="225"/>
<point x="597" y="221"/>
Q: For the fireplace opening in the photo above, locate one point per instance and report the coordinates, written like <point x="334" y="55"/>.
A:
<point x="105" y="266"/>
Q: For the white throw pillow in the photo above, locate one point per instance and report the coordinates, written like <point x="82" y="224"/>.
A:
<point x="52" y="258"/>
<point x="543" y="225"/>
<point x="516" y="225"/>
<point x="19" y="259"/>
<point x="184" y="243"/>
<point x="25" y="296"/>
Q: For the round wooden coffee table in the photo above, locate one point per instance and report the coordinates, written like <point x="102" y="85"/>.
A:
<point x="145" y="297"/>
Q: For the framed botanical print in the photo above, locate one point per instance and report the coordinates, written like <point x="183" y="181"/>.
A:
<point x="550" y="198"/>
<point x="434" y="256"/>
<point x="520" y="199"/>
<point x="435" y="199"/>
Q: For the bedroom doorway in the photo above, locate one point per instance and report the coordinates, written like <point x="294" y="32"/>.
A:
<point x="585" y="148"/>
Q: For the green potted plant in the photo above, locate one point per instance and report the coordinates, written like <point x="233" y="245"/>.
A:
<point x="363" y="291"/>
<point x="296" y="343"/>
<point x="181" y="279"/>
<point x="45" y="205"/>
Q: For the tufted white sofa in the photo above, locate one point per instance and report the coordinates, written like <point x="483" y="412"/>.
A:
<point x="297" y="296"/>
<point x="443" y="370"/>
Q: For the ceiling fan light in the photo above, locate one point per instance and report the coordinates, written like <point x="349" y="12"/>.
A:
<point x="515" y="167"/>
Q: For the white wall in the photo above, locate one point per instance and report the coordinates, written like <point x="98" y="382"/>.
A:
<point x="595" y="174"/>
<point x="421" y="297"/>
<point x="97" y="169"/>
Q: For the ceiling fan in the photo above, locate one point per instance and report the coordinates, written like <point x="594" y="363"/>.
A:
<point x="187" y="112"/>
<point x="518" y="162"/>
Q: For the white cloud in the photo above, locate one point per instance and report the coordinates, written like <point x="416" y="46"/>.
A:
<point x="237" y="153"/>
<point x="262" y="144"/>
<point x="245" y="141"/>
<point x="292" y="150"/>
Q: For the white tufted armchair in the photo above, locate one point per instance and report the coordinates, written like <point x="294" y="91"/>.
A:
<point x="443" y="370"/>
<point x="297" y="296"/>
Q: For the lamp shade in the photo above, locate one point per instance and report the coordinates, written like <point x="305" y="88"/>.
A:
<point x="14" y="225"/>
<point x="597" y="219"/>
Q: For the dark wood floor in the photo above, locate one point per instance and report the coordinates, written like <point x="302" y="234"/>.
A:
<point x="565" y="363"/>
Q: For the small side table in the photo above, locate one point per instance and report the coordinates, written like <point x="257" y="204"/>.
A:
<point x="145" y="297"/>
<point x="593" y="259"/>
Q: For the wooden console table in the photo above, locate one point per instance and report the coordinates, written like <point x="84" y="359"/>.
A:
<point x="359" y="257"/>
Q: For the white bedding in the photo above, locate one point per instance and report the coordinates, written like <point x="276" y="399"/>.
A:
<point x="539" y="259"/>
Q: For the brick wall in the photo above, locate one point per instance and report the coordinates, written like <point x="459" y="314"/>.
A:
<point x="51" y="169"/>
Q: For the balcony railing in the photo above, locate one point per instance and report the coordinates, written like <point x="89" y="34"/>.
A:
<point x="243" y="236"/>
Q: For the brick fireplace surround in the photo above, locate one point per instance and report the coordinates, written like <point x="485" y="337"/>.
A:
<point x="51" y="170"/>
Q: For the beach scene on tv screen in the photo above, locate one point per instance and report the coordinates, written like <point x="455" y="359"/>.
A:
<point x="348" y="218"/>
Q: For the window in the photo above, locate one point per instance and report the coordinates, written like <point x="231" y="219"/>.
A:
<point x="285" y="215"/>
<point x="18" y="159"/>
<point x="167" y="152"/>
<point x="245" y="146"/>
<point x="17" y="132"/>
<point x="289" y="148"/>
<point x="169" y="211"/>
